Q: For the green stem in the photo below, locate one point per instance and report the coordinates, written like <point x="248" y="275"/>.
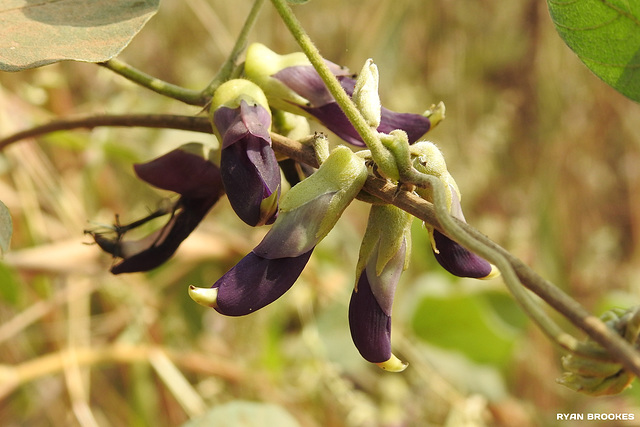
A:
<point x="368" y="135"/>
<point x="226" y="70"/>
<point x="512" y="280"/>
<point x="188" y="96"/>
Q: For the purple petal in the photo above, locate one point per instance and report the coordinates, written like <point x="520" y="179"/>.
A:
<point x="250" y="174"/>
<point x="234" y="124"/>
<point x="156" y="248"/>
<point x="250" y="171"/>
<point x="296" y="230"/>
<point x="332" y="116"/>
<point x="306" y="82"/>
<point x="182" y="172"/>
<point x="415" y="125"/>
<point x="256" y="282"/>
<point x="459" y="261"/>
<point x="370" y="325"/>
<point x="384" y="286"/>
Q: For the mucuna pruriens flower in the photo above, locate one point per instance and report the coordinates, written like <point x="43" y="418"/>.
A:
<point x="241" y="119"/>
<point x="384" y="255"/>
<point x="309" y="210"/>
<point x="186" y="171"/>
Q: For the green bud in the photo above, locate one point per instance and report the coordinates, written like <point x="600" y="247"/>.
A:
<point x="596" y="377"/>
<point x="365" y="94"/>
<point x="291" y="125"/>
<point x="261" y="63"/>
<point x="230" y="93"/>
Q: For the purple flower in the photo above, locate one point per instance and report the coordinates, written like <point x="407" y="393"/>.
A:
<point x="251" y="284"/>
<point x="452" y="256"/>
<point x="185" y="171"/>
<point x="456" y="259"/>
<point x="309" y="211"/>
<point x="383" y="257"/>
<point x="292" y="84"/>
<point x="250" y="171"/>
<point x="459" y="261"/>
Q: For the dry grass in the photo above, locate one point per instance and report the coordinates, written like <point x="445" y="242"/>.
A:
<point x="545" y="155"/>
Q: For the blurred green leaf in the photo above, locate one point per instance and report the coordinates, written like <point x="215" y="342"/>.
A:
<point x="10" y="286"/>
<point x="36" y="33"/>
<point x="6" y="228"/>
<point x="605" y="34"/>
<point x="467" y="323"/>
<point x="240" y="413"/>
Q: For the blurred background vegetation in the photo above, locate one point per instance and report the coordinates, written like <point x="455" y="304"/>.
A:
<point x="545" y="155"/>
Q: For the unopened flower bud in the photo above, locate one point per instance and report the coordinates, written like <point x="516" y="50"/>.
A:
<point x="365" y="94"/>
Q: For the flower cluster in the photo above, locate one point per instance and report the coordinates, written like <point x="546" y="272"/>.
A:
<point x="284" y="91"/>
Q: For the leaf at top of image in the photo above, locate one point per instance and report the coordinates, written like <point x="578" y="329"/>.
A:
<point x="605" y="34"/>
<point x="34" y="33"/>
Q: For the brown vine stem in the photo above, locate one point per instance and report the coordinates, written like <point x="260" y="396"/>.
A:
<point x="618" y="348"/>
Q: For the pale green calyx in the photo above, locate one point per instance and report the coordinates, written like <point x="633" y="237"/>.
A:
<point x="340" y="173"/>
<point x="230" y="93"/>
<point x="396" y="146"/>
<point x="388" y="228"/>
<point x="365" y="94"/>
<point x="343" y="174"/>
<point x="428" y="159"/>
<point x="310" y="209"/>
<point x="262" y="63"/>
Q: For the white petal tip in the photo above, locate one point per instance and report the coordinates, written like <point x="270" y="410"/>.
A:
<point x="207" y="297"/>
<point x="393" y="364"/>
<point x="493" y="274"/>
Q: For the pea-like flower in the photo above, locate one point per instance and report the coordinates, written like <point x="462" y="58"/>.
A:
<point x="292" y="84"/>
<point x="308" y="211"/>
<point x="186" y="171"/>
<point x="241" y="119"/>
<point x="384" y="255"/>
<point x="452" y="256"/>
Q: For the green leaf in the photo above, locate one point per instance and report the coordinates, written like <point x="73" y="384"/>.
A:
<point x="10" y="286"/>
<point x="39" y="32"/>
<point x="240" y="413"/>
<point x="471" y="323"/>
<point x="605" y="34"/>
<point x="6" y="228"/>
